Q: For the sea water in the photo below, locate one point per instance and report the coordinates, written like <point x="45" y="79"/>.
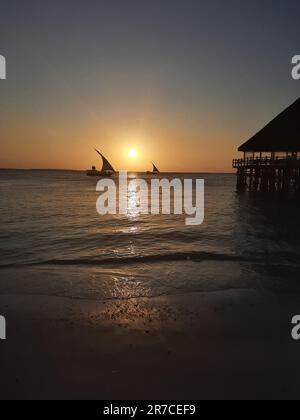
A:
<point x="53" y="241"/>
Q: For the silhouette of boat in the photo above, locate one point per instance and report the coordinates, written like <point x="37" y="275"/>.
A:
<point x="106" y="171"/>
<point x="155" y="171"/>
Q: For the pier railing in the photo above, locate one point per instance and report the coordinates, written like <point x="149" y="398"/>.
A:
<point x="267" y="161"/>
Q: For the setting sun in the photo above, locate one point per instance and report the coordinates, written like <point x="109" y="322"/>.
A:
<point x="132" y="154"/>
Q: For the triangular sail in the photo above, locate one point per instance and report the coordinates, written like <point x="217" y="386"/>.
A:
<point x="155" y="168"/>
<point x="106" y="165"/>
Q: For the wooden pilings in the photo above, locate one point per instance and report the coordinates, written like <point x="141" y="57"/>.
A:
<point x="268" y="175"/>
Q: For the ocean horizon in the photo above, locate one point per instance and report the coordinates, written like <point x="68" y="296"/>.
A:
<point x="131" y="171"/>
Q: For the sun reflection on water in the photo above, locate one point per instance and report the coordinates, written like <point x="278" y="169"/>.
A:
<point x="133" y="201"/>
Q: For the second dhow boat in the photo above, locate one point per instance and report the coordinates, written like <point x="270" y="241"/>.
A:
<point x="106" y="171"/>
<point x="154" y="172"/>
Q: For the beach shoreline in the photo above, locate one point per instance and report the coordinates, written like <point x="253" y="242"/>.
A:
<point x="223" y="345"/>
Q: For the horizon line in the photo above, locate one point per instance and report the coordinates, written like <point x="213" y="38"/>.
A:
<point x="139" y="172"/>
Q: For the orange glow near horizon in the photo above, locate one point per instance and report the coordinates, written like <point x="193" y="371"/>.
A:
<point x="64" y="146"/>
<point x="132" y="135"/>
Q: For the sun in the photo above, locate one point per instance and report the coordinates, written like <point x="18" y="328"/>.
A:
<point x="132" y="154"/>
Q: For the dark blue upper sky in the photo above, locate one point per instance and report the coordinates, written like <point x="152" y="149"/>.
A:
<point x="209" y="73"/>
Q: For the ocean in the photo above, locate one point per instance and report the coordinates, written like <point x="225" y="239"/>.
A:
<point x="54" y="243"/>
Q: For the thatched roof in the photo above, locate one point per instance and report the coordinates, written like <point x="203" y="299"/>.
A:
<point x="280" y="135"/>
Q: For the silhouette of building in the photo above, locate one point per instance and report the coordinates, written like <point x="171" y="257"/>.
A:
<point x="271" y="159"/>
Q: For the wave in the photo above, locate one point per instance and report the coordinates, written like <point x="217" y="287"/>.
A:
<point x="141" y="259"/>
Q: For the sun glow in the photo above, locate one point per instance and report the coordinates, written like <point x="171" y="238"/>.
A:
<point x="132" y="154"/>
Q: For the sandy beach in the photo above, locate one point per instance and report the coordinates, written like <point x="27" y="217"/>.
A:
<point x="222" y="345"/>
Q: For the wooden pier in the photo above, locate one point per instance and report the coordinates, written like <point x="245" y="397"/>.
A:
<point x="268" y="174"/>
<point x="271" y="159"/>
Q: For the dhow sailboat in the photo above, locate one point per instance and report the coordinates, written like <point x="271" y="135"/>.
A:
<point x="155" y="171"/>
<point x="106" y="171"/>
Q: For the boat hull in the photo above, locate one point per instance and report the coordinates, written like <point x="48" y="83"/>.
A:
<point x="98" y="174"/>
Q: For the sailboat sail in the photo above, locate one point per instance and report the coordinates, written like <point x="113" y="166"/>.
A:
<point x="106" y="165"/>
<point x="155" y="170"/>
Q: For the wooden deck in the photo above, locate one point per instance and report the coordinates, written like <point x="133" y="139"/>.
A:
<point x="269" y="162"/>
<point x="268" y="174"/>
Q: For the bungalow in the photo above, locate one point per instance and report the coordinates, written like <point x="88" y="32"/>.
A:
<point x="271" y="160"/>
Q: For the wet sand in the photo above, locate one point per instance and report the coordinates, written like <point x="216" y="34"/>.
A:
<point x="225" y="345"/>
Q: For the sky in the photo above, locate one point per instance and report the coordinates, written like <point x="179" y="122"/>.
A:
<point x="182" y="82"/>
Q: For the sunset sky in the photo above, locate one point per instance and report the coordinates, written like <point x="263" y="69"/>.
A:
<point x="182" y="82"/>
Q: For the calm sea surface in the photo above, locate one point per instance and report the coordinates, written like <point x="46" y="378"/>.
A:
<point x="53" y="242"/>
